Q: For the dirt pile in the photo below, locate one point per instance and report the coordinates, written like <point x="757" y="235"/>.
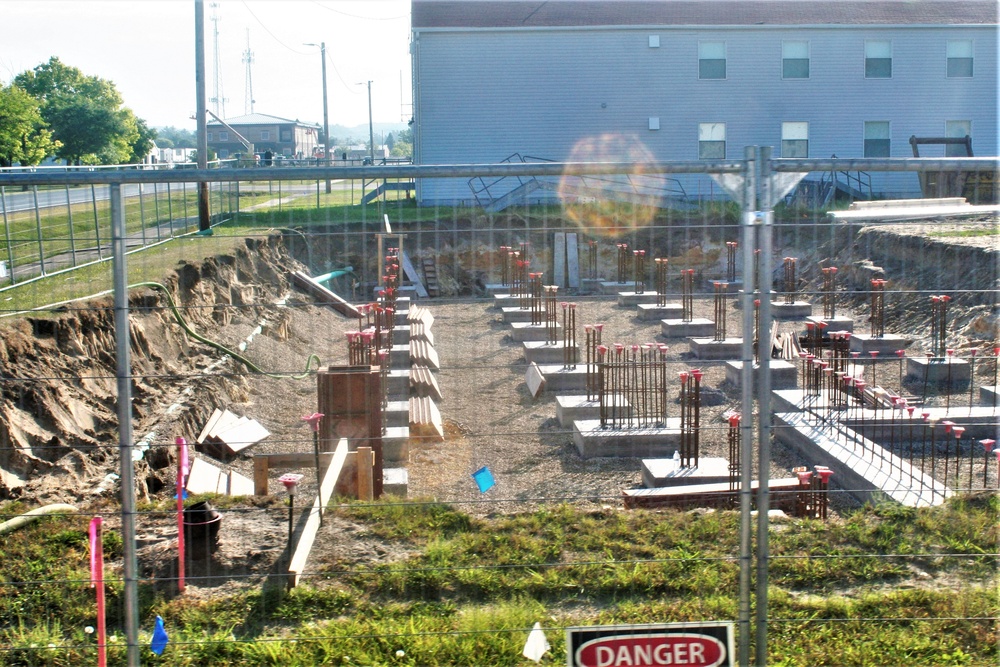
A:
<point x="58" y="400"/>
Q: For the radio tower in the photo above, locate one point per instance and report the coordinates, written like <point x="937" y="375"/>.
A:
<point x="218" y="101"/>
<point x="248" y="61"/>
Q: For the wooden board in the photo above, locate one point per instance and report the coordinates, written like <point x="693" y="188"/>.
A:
<point x="207" y="478"/>
<point x="425" y="419"/>
<point x="412" y="275"/>
<point x="572" y="260"/>
<point x="559" y="259"/>
<point x="423" y="353"/>
<point x="216" y="414"/>
<point x="423" y="383"/>
<point x="307" y="536"/>
<point x="324" y="295"/>
<point x="243" y="434"/>
<point x="535" y="380"/>
<point x="219" y="421"/>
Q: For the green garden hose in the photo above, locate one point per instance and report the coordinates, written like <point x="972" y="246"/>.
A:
<point x="222" y="348"/>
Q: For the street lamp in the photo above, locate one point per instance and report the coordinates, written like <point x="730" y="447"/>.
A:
<point x="371" y="133"/>
<point x="326" y="115"/>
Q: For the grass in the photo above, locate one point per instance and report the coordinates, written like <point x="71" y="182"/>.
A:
<point x="966" y="233"/>
<point x="473" y="587"/>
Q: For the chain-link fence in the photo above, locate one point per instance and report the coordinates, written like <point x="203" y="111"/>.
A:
<point x="743" y="392"/>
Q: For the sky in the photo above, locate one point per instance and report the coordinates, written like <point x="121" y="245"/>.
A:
<point x="147" y="48"/>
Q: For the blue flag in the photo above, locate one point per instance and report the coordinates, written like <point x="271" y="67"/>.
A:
<point x="160" y="637"/>
<point x="484" y="479"/>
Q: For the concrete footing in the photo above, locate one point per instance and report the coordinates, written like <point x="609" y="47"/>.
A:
<point x="512" y="314"/>
<point x="709" y="348"/>
<point x="651" y="312"/>
<point x="580" y="408"/>
<point x="633" y="299"/>
<point x="732" y="287"/>
<point x="558" y="378"/>
<point x="884" y="345"/>
<point x="698" y="326"/>
<point x="990" y="395"/>
<point x="939" y="371"/>
<point x="592" y="440"/>
<point x="611" y="287"/>
<point x="525" y="331"/>
<point x="657" y="473"/>
<point x="395" y="481"/>
<point x="784" y="374"/>
<point x="797" y="310"/>
<point x="838" y="323"/>
<point x="396" y="444"/>
<point x="505" y="300"/>
<point x="541" y="352"/>
<point x="396" y="413"/>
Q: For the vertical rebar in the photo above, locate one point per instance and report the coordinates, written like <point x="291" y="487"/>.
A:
<point x="592" y="259"/>
<point x="687" y="294"/>
<point x="569" y="336"/>
<point x="535" y="297"/>
<point x="660" y="264"/>
<point x="731" y="261"/>
<point x="551" y="315"/>
<point x="734" y="452"/>
<point x="878" y="307"/>
<point x="790" y="281"/>
<point x="829" y="292"/>
<point x="639" y="260"/>
<point x="721" y="293"/>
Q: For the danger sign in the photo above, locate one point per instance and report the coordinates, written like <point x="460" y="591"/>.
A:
<point x="651" y="645"/>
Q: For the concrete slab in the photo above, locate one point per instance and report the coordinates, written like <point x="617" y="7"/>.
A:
<point x="511" y="314"/>
<point x="505" y="300"/>
<point x="590" y="285"/>
<point x="399" y="356"/>
<point x="797" y="310"/>
<point x="989" y="395"/>
<point x="614" y="287"/>
<point x="708" y="348"/>
<point x="567" y="380"/>
<point x="861" y="467"/>
<point x="652" y="312"/>
<point x="525" y="331"/>
<point x="401" y="335"/>
<point x="657" y="473"/>
<point x="396" y="444"/>
<point x="395" y="481"/>
<point x="698" y="326"/>
<point x="632" y="299"/>
<point x="579" y="408"/>
<point x="396" y="413"/>
<point x="838" y="323"/>
<point x="591" y="440"/>
<point x="542" y="352"/>
<point x="886" y="345"/>
<point x="784" y="374"/>
<point x="398" y="382"/>
<point x="496" y="288"/>
<point x="939" y="371"/>
<point x="733" y="285"/>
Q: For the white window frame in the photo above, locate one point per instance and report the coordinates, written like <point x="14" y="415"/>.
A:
<point x="265" y="135"/>
<point x="711" y="135"/>
<point x="871" y="45"/>
<point x="795" y="139"/>
<point x="866" y="138"/>
<point x="785" y="58"/>
<point x="954" y="47"/>
<point x="703" y="46"/>
<point x="223" y="135"/>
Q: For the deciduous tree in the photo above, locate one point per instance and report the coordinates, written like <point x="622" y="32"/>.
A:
<point x="23" y="136"/>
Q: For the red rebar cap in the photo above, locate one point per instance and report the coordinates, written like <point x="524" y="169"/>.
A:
<point x="734" y="420"/>
<point x="313" y="420"/>
<point x="602" y="350"/>
<point x="825" y="474"/>
<point x="290" y="480"/>
<point x="697" y="374"/>
<point x="987" y="444"/>
<point x="958" y="431"/>
<point x="683" y="376"/>
<point x="804" y="477"/>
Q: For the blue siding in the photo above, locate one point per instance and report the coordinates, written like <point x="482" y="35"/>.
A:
<point x="481" y="95"/>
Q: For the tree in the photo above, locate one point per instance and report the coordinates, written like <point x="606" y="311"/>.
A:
<point x="23" y="137"/>
<point x="145" y="137"/>
<point x="390" y="142"/>
<point x="179" y="137"/>
<point x="85" y="114"/>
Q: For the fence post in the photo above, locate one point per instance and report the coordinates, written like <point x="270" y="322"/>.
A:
<point x="6" y="233"/>
<point x="766" y="233"/>
<point x="69" y="214"/>
<point x="38" y="229"/>
<point x="125" y="447"/>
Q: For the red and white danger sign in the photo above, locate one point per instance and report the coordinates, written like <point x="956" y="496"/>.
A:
<point x="651" y="645"/>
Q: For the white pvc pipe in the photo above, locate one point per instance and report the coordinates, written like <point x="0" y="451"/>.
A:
<point x="33" y="515"/>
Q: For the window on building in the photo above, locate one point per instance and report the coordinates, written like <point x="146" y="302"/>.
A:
<point x="265" y="135"/>
<point x="712" y="141"/>
<point x="654" y="122"/>
<point x="795" y="59"/>
<point x="286" y="135"/>
<point x="711" y="60"/>
<point x="878" y="59"/>
<point x="208" y="135"/>
<point x="223" y="153"/>
<point x="223" y="135"/>
<point x="795" y="139"/>
<point x="876" y="138"/>
<point x="960" y="129"/>
<point x="960" y="57"/>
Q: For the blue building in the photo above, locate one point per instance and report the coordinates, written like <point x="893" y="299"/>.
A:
<point x="685" y="80"/>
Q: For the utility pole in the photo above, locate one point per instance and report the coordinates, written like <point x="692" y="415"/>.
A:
<point x="204" y="215"/>
<point x="248" y="85"/>
<point x="371" y="132"/>
<point x="326" y="112"/>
